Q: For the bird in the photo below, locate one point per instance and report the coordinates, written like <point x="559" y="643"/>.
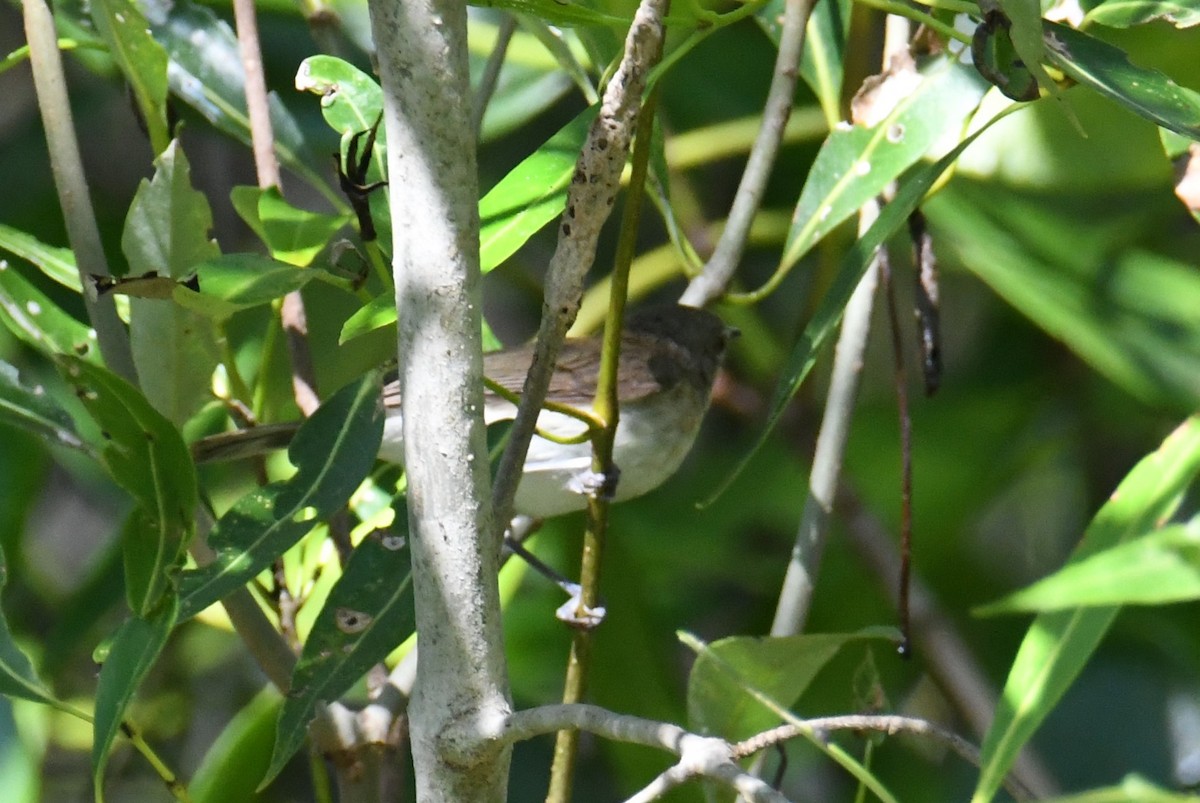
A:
<point x="669" y="358"/>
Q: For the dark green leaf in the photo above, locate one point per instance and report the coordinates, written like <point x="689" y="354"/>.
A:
<point x="293" y="235"/>
<point x="1133" y="317"/>
<point x="146" y="456"/>
<point x="166" y="233"/>
<point x="367" y="615"/>
<point x="206" y="73"/>
<point x="1126" y="13"/>
<point x="1155" y="569"/>
<point x="1107" y="70"/>
<point x="781" y="668"/>
<point x="1058" y="644"/>
<point x="235" y="282"/>
<point x="34" y="318"/>
<point x="17" y="678"/>
<point x="332" y="452"/>
<point x="131" y="654"/>
<point x="1025" y="30"/>
<point x="235" y="763"/>
<point x="33" y="411"/>
<point x="142" y="60"/>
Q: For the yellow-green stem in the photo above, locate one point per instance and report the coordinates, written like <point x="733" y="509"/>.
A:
<point x="606" y="410"/>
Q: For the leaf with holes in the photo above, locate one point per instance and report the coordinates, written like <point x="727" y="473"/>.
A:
<point x="332" y="452"/>
<point x="367" y="615"/>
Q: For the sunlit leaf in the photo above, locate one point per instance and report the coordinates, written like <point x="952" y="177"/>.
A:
<point x="1107" y="70"/>
<point x="531" y="195"/>
<point x="1126" y="13"/>
<point x="332" y="452"/>
<point x="167" y="233"/>
<point x="380" y="311"/>
<point x="293" y="235"/>
<point x="908" y="197"/>
<point x="131" y="655"/>
<point x="782" y="668"/>
<point x="856" y="163"/>
<point x="34" y="318"/>
<point x="31" y="410"/>
<point x="1155" y="569"/>
<point x="367" y="615"/>
<point x="57" y="263"/>
<point x="1059" y="644"/>
<point x="1132" y="789"/>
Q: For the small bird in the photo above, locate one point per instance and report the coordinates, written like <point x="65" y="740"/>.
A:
<point x="669" y="360"/>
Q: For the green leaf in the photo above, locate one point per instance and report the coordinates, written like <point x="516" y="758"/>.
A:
<point x="141" y="59"/>
<point x="1155" y="569"/>
<point x="1132" y="317"/>
<point x="293" y="235"/>
<point x="380" y="311"/>
<point x="351" y="100"/>
<point x="166" y="233"/>
<point x="206" y="73"/>
<point x="132" y="653"/>
<point x="234" y="764"/>
<point x="1126" y="13"/>
<point x="1132" y="789"/>
<point x="1025" y="19"/>
<point x="531" y="195"/>
<point x="146" y="456"/>
<point x="856" y="163"/>
<point x="34" y="318"/>
<point x="781" y="668"/>
<point x="57" y="263"/>
<point x="1107" y="70"/>
<point x="804" y="354"/>
<point x="556" y="13"/>
<point x="233" y="282"/>
<point x="17" y="677"/>
<point x="1058" y="645"/>
<point x="34" y="412"/>
<point x="367" y="615"/>
<point x="821" y="63"/>
<point x="332" y="452"/>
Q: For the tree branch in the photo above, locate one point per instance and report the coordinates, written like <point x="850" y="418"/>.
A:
<point x="460" y="694"/>
<point x="712" y="281"/>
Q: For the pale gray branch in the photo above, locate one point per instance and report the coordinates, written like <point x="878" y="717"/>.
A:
<point x="712" y="281"/>
<point x="461" y="683"/>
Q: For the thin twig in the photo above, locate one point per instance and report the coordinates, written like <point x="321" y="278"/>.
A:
<point x="795" y="596"/>
<point x="491" y="72"/>
<point x="71" y="184"/>
<point x="950" y="661"/>
<point x="720" y="269"/>
<point x="607" y="409"/>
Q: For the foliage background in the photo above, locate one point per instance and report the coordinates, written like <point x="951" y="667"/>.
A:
<point x="1025" y="441"/>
